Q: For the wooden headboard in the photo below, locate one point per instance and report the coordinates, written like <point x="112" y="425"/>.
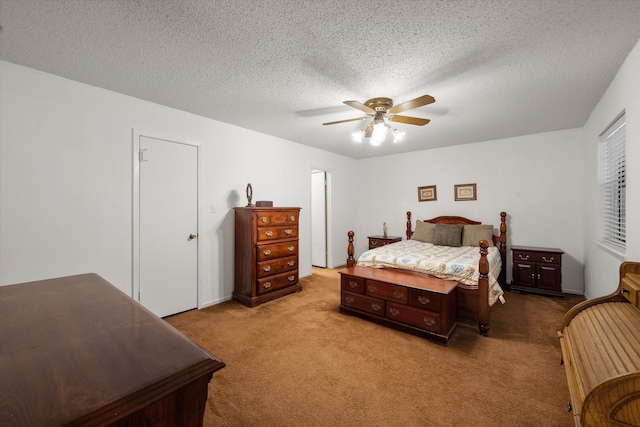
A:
<point x="501" y="239"/>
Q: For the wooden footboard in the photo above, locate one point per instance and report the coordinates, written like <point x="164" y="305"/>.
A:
<point x="472" y="303"/>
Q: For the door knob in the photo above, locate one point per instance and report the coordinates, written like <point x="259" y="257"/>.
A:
<point x="192" y="236"/>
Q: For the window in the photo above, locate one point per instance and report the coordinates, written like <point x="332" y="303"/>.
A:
<point x="613" y="174"/>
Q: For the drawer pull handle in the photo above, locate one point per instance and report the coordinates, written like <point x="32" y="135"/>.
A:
<point x="292" y="218"/>
<point x="429" y="321"/>
<point x="423" y="300"/>
<point x="264" y="219"/>
<point x="375" y="306"/>
<point x="288" y="231"/>
<point x="267" y="285"/>
<point x="291" y="263"/>
<point x="349" y="300"/>
<point x="373" y="288"/>
<point x="267" y="268"/>
<point x="291" y="278"/>
<point x="394" y="312"/>
<point x="291" y="248"/>
<point x="547" y="260"/>
<point x="538" y="277"/>
<point x="523" y="257"/>
<point x="398" y="294"/>
<point x="267" y="252"/>
<point x="353" y="283"/>
<point x="533" y="276"/>
<point x="269" y="233"/>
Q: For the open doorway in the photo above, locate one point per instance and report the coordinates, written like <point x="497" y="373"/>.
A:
<point x="319" y="218"/>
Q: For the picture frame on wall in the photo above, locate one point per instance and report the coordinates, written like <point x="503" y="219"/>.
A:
<point x="464" y="192"/>
<point x="427" y="193"/>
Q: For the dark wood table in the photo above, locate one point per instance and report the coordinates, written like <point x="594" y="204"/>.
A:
<point x="76" y="351"/>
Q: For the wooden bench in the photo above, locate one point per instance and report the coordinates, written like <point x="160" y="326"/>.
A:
<point x="600" y="341"/>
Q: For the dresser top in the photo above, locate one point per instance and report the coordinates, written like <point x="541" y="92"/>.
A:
<point x="77" y="349"/>
<point x="264" y="208"/>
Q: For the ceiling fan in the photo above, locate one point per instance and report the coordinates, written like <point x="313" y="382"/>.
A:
<point x="383" y="111"/>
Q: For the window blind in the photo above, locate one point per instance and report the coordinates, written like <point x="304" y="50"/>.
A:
<point x="613" y="185"/>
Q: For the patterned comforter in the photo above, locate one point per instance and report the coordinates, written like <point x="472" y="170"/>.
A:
<point x="446" y="262"/>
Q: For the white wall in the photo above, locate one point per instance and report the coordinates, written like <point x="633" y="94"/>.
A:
<point x="601" y="271"/>
<point x="66" y="182"/>
<point x="536" y="179"/>
<point x="66" y="177"/>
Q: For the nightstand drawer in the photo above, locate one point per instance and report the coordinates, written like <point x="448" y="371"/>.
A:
<point x="377" y="241"/>
<point x="547" y="257"/>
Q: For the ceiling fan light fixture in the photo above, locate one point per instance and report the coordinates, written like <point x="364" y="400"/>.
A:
<point x="357" y="136"/>
<point x="398" y="136"/>
<point x="382" y="111"/>
<point x="379" y="133"/>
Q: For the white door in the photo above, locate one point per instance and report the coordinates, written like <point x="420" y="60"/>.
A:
<point x="168" y="226"/>
<point x="318" y="218"/>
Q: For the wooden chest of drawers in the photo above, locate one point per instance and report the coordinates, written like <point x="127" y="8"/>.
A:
<point x="266" y="254"/>
<point x="420" y="305"/>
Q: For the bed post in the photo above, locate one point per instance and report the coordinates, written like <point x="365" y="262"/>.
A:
<point x="351" y="261"/>
<point x="502" y="277"/>
<point x="483" y="289"/>
<point x="409" y="232"/>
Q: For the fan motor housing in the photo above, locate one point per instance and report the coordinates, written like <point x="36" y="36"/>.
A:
<point x="379" y="104"/>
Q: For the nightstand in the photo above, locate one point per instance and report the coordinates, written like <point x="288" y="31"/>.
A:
<point x="377" y="241"/>
<point x="537" y="270"/>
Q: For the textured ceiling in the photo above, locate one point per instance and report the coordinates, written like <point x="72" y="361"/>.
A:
<point x="283" y="67"/>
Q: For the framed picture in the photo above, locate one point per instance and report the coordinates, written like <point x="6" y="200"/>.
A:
<point x="427" y="193"/>
<point x="464" y="192"/>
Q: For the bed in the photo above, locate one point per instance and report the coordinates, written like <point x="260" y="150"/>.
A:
<point x="469" y="253"/>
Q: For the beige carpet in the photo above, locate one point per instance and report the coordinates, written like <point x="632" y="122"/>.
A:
<point x="297" y="361"/>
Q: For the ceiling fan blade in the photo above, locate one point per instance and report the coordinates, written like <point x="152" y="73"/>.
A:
<point x="409" y="105"/>
<point x="360" y="106"/>
<point x="345" y="121"/>
<point x="369" y="130"/>
<point x="410" y="120"/>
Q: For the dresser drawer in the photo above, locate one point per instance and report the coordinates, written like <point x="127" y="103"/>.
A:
<point x="387" y="291"/>
<point x="543" y="257"/>
<point x="352" y="284"/>
<point x="279" y="281"/>
<point x="277" y="250"/>
<point x="412" y="316"/>
<point x="276" y="218"/>
<point x="364" y="303"/>
<point x="425" y="300"/>
<point x="276" y="266"/>
<point x="277" y="233"/>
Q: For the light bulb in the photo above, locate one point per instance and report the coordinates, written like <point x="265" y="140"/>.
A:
<point x="398" y="136"/>
<point x="379" y="133"/>
<point x="357" y="136"/>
